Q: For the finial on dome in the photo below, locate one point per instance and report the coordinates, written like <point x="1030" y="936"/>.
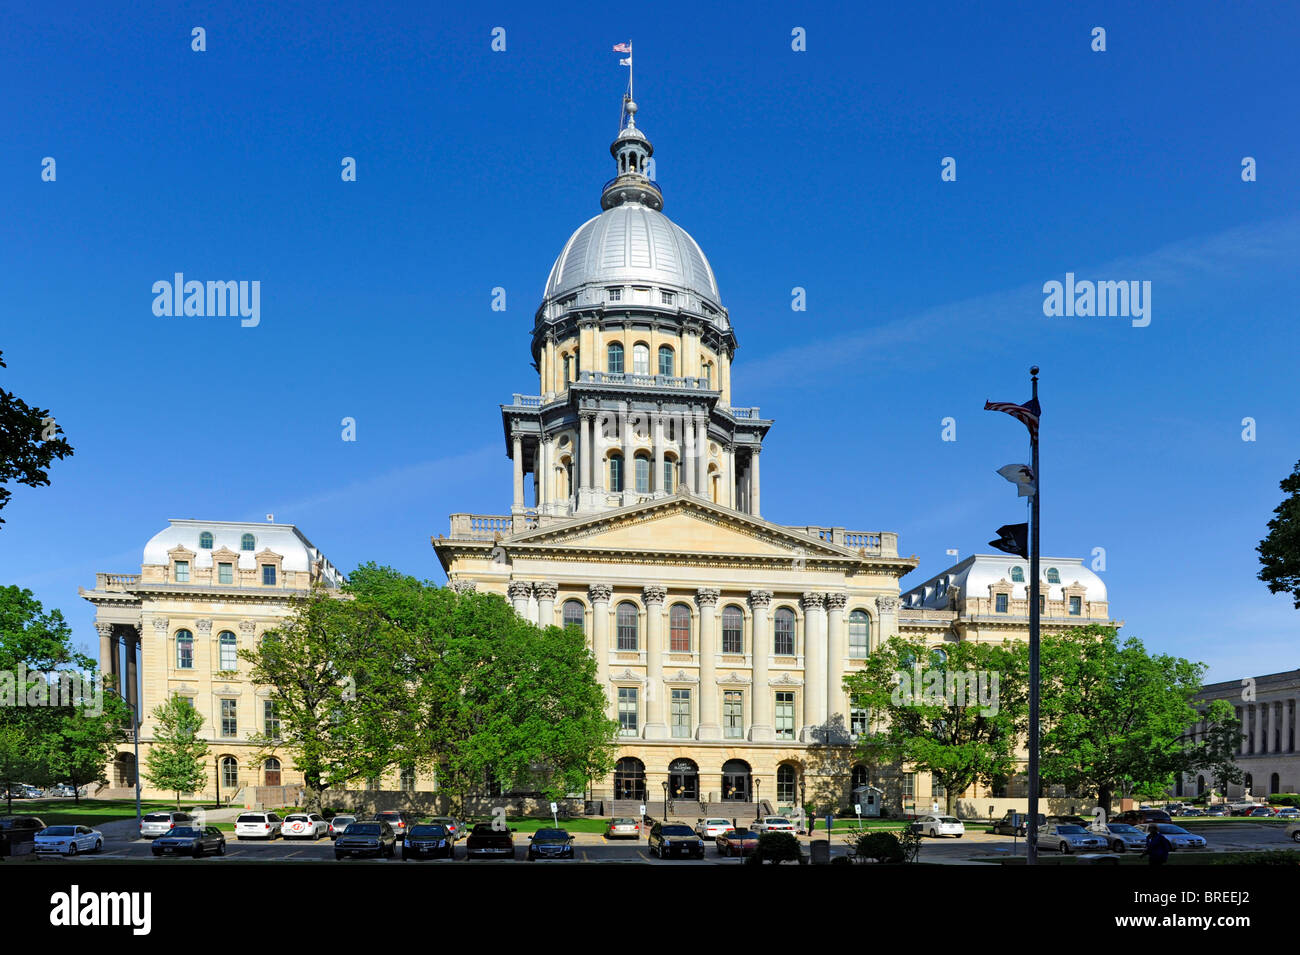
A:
<point x="631" y="151"/>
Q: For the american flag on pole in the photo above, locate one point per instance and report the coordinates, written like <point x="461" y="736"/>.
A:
<point x="622" y="48"/>
<point x="1028" y="413"/>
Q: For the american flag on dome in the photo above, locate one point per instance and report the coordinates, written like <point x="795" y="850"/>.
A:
<point x="1028" y="413"/>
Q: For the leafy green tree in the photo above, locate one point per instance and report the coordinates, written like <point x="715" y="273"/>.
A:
<point x="928" y="714"/>
<point x="80" y="747"/>
<point x="1217" y="753"/>
<point x="27" y="443"/>
<point x="1279" y="552"/>
<point x="176" y="759"/>
<point x="1114" y="717"/>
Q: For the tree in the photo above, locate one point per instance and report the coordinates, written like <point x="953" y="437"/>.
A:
<point x="176" y="758"/>
<point x="1217" y="752"/>
<point x="1114" y="716"/>
<point x="80" y="747"/>
<point x="931" y="717"/>
<point x="1279" y="552"/>
<point x="27" y="443"/>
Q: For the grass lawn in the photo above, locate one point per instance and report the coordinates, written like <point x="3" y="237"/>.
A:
<point x="64" y="812"/>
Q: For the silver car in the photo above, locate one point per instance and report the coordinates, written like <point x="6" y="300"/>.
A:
<point x="157" y="824"/>
<point x="1069" y="837"/>
<point x="1122" y="836"/>
<point x="1180" y="838"/>
<point x="1293" y="831"/>
<point x="455" y="828"/>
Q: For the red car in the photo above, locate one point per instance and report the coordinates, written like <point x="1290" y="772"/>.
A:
<point x="738" y="842"/>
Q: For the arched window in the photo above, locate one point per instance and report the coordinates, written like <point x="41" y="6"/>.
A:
<point x="272" y="770"/>
<point x="229" y="651"/>
<point x="642" y="475"/>
<point x="733" y="629"/>
<point x="184" y="650"/>
<point x="629" y="778"/>
<point x="1200" y="785"/>
<point x="205" y="541"/>
<point x="1053" y="575"/>
<point x="615" y="473"/>
<point x="229" y="772"/>
<point x="247" y="542"/>
<point x="626" y="618"/>
<point x="786" y="780"/>
<point x="859" y="776"/>
<point x="938" y="657"/>
<point x="859" y="634"/>
<point x="679" y="629"/>
<point x="640" y="359"/>
<point x="783" y="632"/>
<point x="667" y="366"/>
<point x="568" y="368"/>
<point x="615" y="363"/>
<point x="670" y="475"/>
<point x="574" y="615"/>
<point x="1178" y="785"/>
<point x="1017" y="575"/>
<point x="1274" y="783"/>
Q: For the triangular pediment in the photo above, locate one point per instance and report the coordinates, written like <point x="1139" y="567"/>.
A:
<point x="679" y="525"/>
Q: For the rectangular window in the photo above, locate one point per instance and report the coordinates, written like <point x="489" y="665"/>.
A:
<point x="733" y="714"/>
<point x="937" y="789"/>
<point x="1042" y="604"/>
<point x="669" y="484"/>
<point x="627" y="714"/>
<point x="271" y="719"/>
<point x="407" y="781"/>
<point x="1076" y="606"/>
<point x="643" y="475"/>
<point x="666" y="298"/>
<point x="909" y="785"/>
<point x="229" y="653"/>
<point x="229" y="723"/>
<point x="733" y="632"/>
<point x="268" y="575"/>
<point x="182" y="571"/>
<point x="1001" y="605"/>
<point x="785" y="715"/>
<point x="681" y="707"/>
<point x="783" y="641"/>
<point x="225" y="573"/>
<point x="858" y="721"/>
<point x="614" y="294"/>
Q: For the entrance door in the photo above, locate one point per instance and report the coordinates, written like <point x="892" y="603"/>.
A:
<point x="683" y="780"/>
<point x="735" y="780"/>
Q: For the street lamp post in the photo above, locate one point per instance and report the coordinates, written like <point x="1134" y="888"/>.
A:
<point x="665" y="819"/>
<point x="757" y="805"/>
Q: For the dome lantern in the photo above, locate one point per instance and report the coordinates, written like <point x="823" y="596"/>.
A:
<point x="631" y="151"/>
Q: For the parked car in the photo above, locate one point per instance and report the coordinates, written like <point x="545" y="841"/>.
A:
<point x="454" y="826"/>
<point x="339" y="823"/>
<point x="623" y="828"/>
<point x="373" y="838"/>
<point x="1143" y="817"/>
<point x="1068" y="837"/>
<point x="304" y="825"/>
<point x="1293" y="831"/>
<point x="192" y="841"/>
<point x="1288" y="812"/>
<point x="550" y="844"/>
<point x="1016" y="823"/>
<point x="1193" y="811"/>
<point x="63" y="790"/>
<point x="1242" y="808"/>
<point x="68" y="840"/>
<point x="712" y="828"/>
<point x="1262" y="811"/>
<point x="1122" y="836"/>
<point x="485" y="842"/>
<point x="16" y="831"/>
<point x="932" y="825"/>
<point x="400" y="820"/>
<point x="671" y="839"/>
<point x="773" y="824"/>
<point x="34" y="792"/>
<point x="1180" y="838"/>
<point x="156" y="824"/>
<point x="1217" y="810"/>
<point x="258" y="825"/>
<point x="737" y="842"/>
<point x="1070" y="820"/>
<point x="428" y="841"/>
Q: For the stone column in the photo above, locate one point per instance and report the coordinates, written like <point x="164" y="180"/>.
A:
<point x="655" y="725"/>
<point x="887" y="610"/>
<point x="629" y="451"/>
<point x="814" y="670"/>
<point x="542" y="474"/>
<point x="582" y="469"/>
<point x="760" y="726"/>
<point x="1268" y="727"/>
<point x="546" y="592"/>
<point x="519" y="591"/>
<point x="658" y="482"/>
<point x="687" y="451"/>
<point x="837" y="648"/>
<point x="107" y="651"/>
<point x="517" y="454"/>
<point x="1260" y="738"/>
<point x="132" y="672"/>
<point x="600" y="595"/>
<point x="702" y="457"/>
<point x="706" y="598"/>
<point x="753" y="483"/>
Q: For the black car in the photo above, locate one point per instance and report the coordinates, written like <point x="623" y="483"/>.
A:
<point x="675" y="840"/>
<point x="372" y="838"/>
<point x="428" y="841"/>
<point x="1143" y="817"/>
<point x="191" y="841"/>
<point x="485" y="842"/>
<point x="550" y="844"/>
<point x="18" y="834"/>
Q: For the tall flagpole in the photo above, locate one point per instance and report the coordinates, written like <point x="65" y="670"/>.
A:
<point x="1031" y="832"/>
<point x="630" y="67"/>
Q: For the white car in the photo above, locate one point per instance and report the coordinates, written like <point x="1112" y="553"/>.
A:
<point x="1069" y="837"/>
<point x="258" y="825"/>
<point x="304" y="825"/>
<point x="1180" y="838"/>
<point x="68" y="840"/>
<point x="712" y="828"/>
<point x="773" y="824"/>
<point x="933" y="825"/>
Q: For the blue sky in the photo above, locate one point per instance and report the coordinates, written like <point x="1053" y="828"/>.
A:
<point x="818" y="169"/>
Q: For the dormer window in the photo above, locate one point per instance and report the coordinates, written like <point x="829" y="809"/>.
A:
<point x="247" y="542"/>
<point x="1017" y="575"/>
<point x="1000" y="603"/>
<point x="182" y="571"/>
<point x="1053" y="575"/>
<point x="205" y="541"/>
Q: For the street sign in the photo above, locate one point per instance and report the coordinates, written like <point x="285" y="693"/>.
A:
<point x="643" y="809"/>
<point x="554" y="808"/>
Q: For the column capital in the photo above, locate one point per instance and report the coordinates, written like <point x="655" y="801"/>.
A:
<point x="519" y="589"/>
<point x="600" y="593"/>
<point x="760" y="599"/>
<point x="887" y="604"/>
<point x="654" y="594"/>
<point x="546" y="589"/>
<point x="160" y="625"/>
<point x="812" y="600"/>
<point x="203" y="626"/>
<point x="707" y="596"/>
<point x="463" y="586"/>
<point x="105" y="629"/>
<point x="836" y="601"/>
<point x="247" y="626"/>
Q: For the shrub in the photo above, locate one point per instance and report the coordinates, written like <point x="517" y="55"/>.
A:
<point x="777" y="847"/>
<point x="1285" y="799"/>
<point x="880" y="845"/>
<point x="1278" y="857"/>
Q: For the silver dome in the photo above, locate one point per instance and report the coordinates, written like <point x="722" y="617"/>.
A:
<point x="632" y="244"/>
